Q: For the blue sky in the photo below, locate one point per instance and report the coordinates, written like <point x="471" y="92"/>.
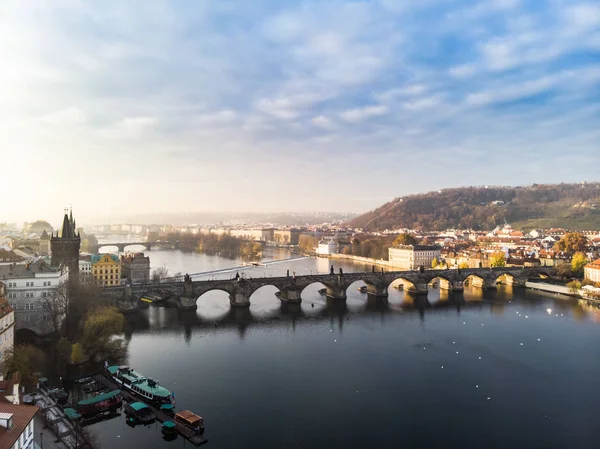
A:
<point x="272" y="105"/>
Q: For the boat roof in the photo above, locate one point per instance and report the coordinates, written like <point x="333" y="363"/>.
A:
<point x="167" y="407"/>
<point x="100" y="397"/>
<point x="169" y="424"/>
<point x="137" y="406"/>
<point x="187" y="415"/>
<point x="72" y="413"/>
<point x="148" y="385"/>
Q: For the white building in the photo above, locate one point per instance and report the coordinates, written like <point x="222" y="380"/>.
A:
<point x="411" y="257"/>
<point x="85" y="270"/>
<point x="27" y="286"/>
<point x="592" y="271"/>
<point x="7" y="324"/>
<point x="17" y="426"/>
<point x="327" y="247"/>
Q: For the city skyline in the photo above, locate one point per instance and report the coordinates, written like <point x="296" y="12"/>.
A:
<point x="290" y="106"/>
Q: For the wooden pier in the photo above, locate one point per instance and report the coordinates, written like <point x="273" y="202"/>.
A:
<point x="161" y="416"/>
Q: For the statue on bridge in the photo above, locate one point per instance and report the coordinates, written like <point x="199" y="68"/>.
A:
<point x="372" y="268"/>
<point x="237" y="275"/>
<point x="331" y="270"/>
<point x="187" y="278"/>
<point x="341" y="272"/>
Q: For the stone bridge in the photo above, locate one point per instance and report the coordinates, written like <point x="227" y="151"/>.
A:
<point x="186" y="293"/>
<point x="122" y="245"/>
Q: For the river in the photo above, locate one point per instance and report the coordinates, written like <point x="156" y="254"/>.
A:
<point x="496" y="369"/>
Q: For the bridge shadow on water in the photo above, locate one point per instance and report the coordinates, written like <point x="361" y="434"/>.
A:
<point x="165" y="319"/>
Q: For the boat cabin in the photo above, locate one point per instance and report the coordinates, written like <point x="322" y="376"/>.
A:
<point x="140" y="412"/>
<point x="190" y="420"/>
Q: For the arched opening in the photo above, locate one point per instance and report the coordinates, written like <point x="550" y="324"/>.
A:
<point x="474" y="288"/>
<point x="505" y="279"/>
<point x="108" y="249"/>
<point x="264" y="301"/>
<point x="135" y="248"/>
<point x="397" y="293"/>
<point x="356" y="295"/>
<point x="213" y="304"/>
<point x="314" y="297"/>
<point x="438" y="289"/>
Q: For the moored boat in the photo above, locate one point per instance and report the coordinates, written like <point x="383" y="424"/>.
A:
<point x="139" y="413"/>
<point x="190" y="420"/>
<point x="168" y="409"/>
<point x="169" y="429"/>
<point x="99" y="404"/>
<point x="322" y="291"/>
<point x="362" y="289"/>
<point x="143" y="387"/>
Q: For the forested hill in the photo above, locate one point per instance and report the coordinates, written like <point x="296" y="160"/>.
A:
<point x="575" y="206"/>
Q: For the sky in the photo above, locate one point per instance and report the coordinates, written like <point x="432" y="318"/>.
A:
<point x="289" y="105"/>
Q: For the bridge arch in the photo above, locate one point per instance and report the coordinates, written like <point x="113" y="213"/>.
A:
<point x="266" y="287"/>
<point x="213" y="303"/>
<point x="409" y="285"/>
<point x="313" y="289"/>
<point x="210" y="292"/>
<point x="125" y="247"/>
<point x="505" y="279"/>
<point x="474" y="280"/>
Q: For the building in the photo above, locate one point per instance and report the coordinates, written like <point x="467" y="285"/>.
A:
<point x="9" y="389"/>
<point x="9" y="257"/>
<point x="65" y="248"/>
<point x="135" y="267"/>
<point x="327" y="247"/>
<point x="411" y="257"/>
<point x="44" y="244"/>
<point x="17" y="426"/>
<point x="85" y="270"/>
<point x="106" y="270"/>
<point x="27" y="288"/>
<point x="592" y="271"/>
<point x="7" y="324"/>
<point x="286" y="236"/>
<point x="39" y="227"/>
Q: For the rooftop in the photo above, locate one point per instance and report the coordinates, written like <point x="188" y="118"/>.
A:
<point x="96" y="257"/>
<point x="25" y="270"/>
<point x="21" y="416"/>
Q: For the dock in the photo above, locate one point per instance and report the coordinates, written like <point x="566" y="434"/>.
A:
<point x="161" y="416"/>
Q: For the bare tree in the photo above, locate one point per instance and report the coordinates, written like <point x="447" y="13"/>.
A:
<point x="159" y="274"/>
<point x="56" y="305"/>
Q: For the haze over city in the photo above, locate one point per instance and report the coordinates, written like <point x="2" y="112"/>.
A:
<point x="290" y="106"/>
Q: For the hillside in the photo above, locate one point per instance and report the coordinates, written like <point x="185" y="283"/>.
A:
<point x="574" y="206"/>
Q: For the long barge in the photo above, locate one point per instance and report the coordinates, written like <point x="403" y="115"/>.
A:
<point x="141" y="386"/>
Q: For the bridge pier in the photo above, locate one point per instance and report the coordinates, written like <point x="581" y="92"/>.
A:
<point x="239" y="299"/>
<point x="419" y="288"/>
<point x="290" y="295"/>
<point x="453" y="286"/>
<point x="127" y="303"/>
<point x="377" y="290"/>
<point x="335" y="292"/>
<point x="188" y="303"/>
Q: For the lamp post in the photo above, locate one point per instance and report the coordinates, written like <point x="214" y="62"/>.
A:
<point x="42" y="440"/>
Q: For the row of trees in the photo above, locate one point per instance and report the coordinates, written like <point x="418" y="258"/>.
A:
<point x="224" y="245"/>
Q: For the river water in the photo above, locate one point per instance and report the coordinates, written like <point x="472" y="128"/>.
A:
<point x="496" y="369"/>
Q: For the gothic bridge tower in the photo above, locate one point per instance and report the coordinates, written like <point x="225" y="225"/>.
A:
<point x="65" y="248"/>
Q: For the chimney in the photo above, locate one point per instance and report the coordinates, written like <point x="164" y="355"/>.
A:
<point x="6" y="420"/>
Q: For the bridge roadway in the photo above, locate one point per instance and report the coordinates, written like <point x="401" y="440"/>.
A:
<point x="122" y="245"/>
<point x="187" y="292"/>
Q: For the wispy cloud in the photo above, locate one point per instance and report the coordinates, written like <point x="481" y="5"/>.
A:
<point x="286" y="83"/>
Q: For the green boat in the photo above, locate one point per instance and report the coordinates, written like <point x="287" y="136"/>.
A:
<point x="99" y="404"/>
<point x="72" y="414"/>
<point x="143" y="387"/>
<point x="139" y="412"/>
<point x="169" y="429"/>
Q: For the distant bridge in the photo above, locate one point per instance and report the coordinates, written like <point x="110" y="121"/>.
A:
<point x="122" y="245"/>
<point x="187" y="292"/>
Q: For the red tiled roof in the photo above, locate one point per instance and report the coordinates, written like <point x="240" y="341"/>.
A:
<point x="594" y="265"/>
<point x="22" y="415"/>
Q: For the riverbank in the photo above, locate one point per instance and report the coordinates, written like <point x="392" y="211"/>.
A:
<point x="359" y="259"/>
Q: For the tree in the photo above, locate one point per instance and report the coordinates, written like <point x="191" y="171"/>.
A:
<point x="177" y="277"/>
<point x="56" y="305"/>
<point x="572" y="242"/>
<point x="563" y="271"/>
<point x="98" y="340"/>
<point x="27" y="360"/>
<point x="76" y="353"/>
<point x="577" y="263"/>
<point x="307" y="243"/>
<point x="497" y="259"/>
<point x="463" y="265"/>
<point x="404" y="239"/>
<point x="434" y="263"/>
<point x="574" y="286"/>
<point x="159" y="274"/>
